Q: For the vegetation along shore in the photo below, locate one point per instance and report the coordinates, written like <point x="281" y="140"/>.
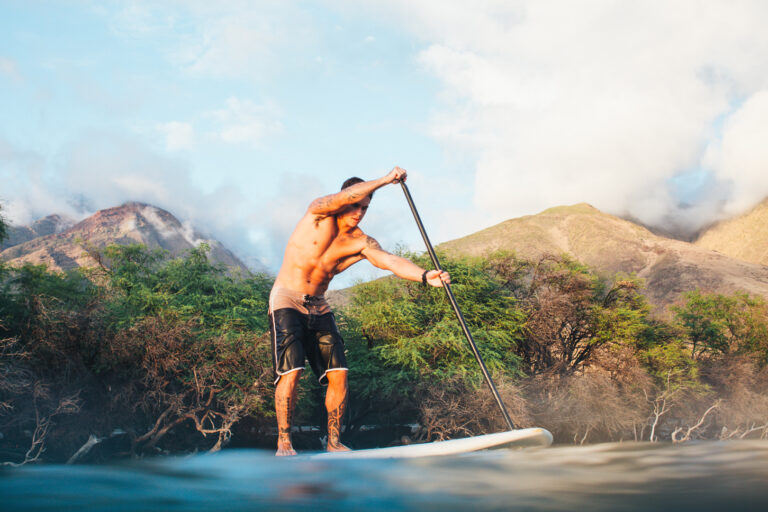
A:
<point x="148" y="353"/>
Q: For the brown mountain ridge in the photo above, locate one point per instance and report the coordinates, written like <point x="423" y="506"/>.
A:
<point x="63" y="247"/>
<point x="744" y="237"/>
<point x="730" y="256"/>
<point x="42" y="227"/>
<point x="609" y="244"/>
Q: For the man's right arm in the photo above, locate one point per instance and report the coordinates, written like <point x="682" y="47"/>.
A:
<point x="330" y="204"/>
<point x="401" y="267"/>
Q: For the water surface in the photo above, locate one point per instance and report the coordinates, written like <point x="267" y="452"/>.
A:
<point x="611" y="477"/>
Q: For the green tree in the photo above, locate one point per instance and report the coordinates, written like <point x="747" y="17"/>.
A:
<point x="3" y="236"/>
<point x="716" y="324"/>
<point x="413" y="327"/>
<point x="188" y="341"/>
<point x="171" y="351"/>
<point x="3" y="227"/>
<point x="43" y="358"/>
<point x="573" y="315"/>
<point x="145" y="283"/>
<point x="407" y="350"/>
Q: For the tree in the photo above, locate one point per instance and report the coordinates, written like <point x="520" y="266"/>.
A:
<point x="3" y="227"/>
<point x="42" y="364"/>
<point x="170" y="351"/>
<point x="572" y="315"/>
<point x="187" y="343"/>
<point x="414" y="327"/>
<point x="716" y="324"/>
<point x="409" y="351"/>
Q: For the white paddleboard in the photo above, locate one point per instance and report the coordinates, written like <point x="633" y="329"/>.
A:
<point x="514" y="439"/>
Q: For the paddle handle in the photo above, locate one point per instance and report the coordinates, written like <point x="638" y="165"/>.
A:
<point x="456" y="309"/>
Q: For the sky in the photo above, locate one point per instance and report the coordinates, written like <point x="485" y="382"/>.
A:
<point x="234" y="115"/>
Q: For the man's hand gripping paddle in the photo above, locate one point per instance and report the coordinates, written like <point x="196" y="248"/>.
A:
<point x="456" y="309"/>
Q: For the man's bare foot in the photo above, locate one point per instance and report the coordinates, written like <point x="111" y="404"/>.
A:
<point x="284" y="446"/>
<point x="338" y="447"/>
<point x="285" y="452"/>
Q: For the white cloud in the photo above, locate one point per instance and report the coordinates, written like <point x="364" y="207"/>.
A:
<point x="278" y="215"/>
<point x="110" y="169"/>
<point x="740" y="159"/>
<point x="243" y="121"/>
<point x="177" y="135"/>
<point x="188" y="232"/>
<point x="102" y="170"/>
<point x="597" y="101"/>
<point x="224" y="39"/>
<point x="29" y="186"/>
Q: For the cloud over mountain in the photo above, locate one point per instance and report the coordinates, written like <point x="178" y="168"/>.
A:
<point x="104" y="170"/>
<point x="635" y="107"/>
<point x="651" y="110"/>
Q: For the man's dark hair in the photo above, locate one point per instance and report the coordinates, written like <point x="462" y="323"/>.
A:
<point x="354" y="180"/>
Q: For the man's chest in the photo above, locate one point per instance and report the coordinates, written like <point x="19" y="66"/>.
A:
<point x="341" y="248"/>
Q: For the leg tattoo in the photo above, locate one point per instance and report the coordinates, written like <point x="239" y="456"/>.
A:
<point x="334" y="427"/>
<point x="284" y="404"/>
<point x="335" y="404"/>
<point x="284" y="430"/>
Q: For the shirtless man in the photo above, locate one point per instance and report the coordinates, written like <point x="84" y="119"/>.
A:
<point x="326" y="241"/>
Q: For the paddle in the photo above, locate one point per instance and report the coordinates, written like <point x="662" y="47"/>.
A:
<point x="456" y="309"/>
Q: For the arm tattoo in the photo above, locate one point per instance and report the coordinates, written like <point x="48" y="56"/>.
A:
<point x="324" y="202"/>
<point x="334" y="425"/>
<point x="353" y="196"/>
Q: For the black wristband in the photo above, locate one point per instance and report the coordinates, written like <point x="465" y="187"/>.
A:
<point x="424" y="277"/>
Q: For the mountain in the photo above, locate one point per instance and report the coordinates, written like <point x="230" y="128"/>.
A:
<point x="61" y="246"/>
<point x="52" y="224"/>
<point x="744" y="237"/>
<point x="610" y="244"/>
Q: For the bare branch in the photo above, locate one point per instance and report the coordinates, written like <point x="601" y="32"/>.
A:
<point x="698" y="425"/>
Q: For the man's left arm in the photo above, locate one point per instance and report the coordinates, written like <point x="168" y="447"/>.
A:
<point x="401" y="267"/>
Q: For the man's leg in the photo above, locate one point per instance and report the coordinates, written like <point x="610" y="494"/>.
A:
<point x="335" y="403"/>
<point x="285" y="401"/>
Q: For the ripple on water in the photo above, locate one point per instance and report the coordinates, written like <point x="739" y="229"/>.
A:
<point x="629" y="476"/>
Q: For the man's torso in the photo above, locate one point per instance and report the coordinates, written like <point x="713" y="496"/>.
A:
<point x="316" y="252"/>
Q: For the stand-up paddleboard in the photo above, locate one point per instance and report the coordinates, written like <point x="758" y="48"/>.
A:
<point x="511" y="439"/>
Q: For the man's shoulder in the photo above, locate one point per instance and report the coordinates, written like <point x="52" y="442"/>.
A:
<point x="316" y="220"/>
<point x="355" y="237"/>
<point x="368" y="241"/>
<point x="358" y="234"/>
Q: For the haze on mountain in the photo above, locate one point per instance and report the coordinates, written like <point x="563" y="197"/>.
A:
<point x="49" y="225"/>
<point x="611" y="245"/>
<point x="60" y="243"/>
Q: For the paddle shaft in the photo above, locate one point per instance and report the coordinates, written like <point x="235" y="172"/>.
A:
<point x="456" y="309"/>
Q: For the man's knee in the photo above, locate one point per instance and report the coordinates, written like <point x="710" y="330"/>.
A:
<point x="289" y="379"/>
<point x="337" y="378"/>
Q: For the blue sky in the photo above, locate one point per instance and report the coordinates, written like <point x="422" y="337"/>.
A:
<point x="234" y="115"/>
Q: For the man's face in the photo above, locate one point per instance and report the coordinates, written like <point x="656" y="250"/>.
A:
<point x="354" y="213"/>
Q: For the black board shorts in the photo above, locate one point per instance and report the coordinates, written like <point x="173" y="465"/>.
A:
<point x="304" y="329"/>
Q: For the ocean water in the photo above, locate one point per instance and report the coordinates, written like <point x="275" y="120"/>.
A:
<point x="727" y="476"/>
